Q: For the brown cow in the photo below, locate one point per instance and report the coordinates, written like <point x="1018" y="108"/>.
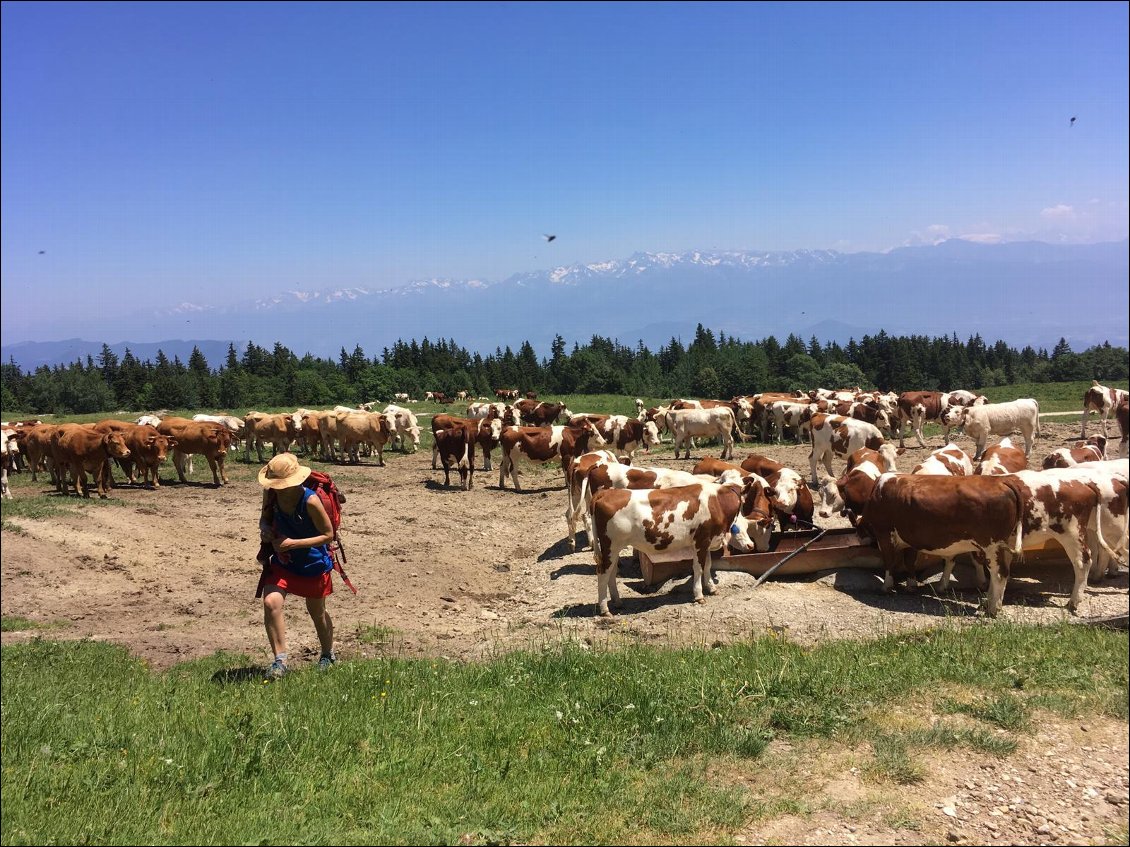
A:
<point x="148" y="448"/>
<point x="541" y="414"/>
<point x="945" y="516"/>
<point x="38" y="445"/>
<point x="84" y="450"/>
<point x="198" y="438"/>
<point x="540" y="444"/>
<point x="260" y="428"/>
<point x="457" y="445"/>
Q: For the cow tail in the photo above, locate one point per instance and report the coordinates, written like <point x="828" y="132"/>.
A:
<point x="1095" y="527"/>
<point x="1017" y="545"/>
<point x="1037" y="417"/>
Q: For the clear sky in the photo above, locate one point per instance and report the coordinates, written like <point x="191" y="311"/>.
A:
<point x="159" y="153"/>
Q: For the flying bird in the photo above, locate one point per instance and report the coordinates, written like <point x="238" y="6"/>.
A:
<point x="1072" y="121"/>
<point x="41" y="252"/>
<point x="548" y="237"/>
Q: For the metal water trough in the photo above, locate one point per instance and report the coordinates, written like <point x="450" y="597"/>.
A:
<point x="799" y="552"/>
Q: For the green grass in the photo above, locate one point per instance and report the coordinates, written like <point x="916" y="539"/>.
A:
<point x="564" y="745"/>
<point x="14" y="623"/>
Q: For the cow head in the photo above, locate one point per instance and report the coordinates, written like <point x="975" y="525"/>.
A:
<point x="831" y="501"/>
<point x="752" y="525"/>
<point x="115" y="445"/>
<point x="889" y="453"/>
<point x="954" y="416"/>
<point x="650" y="436"/>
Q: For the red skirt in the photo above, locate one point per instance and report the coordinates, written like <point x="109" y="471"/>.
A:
<point x="304" y="586"/>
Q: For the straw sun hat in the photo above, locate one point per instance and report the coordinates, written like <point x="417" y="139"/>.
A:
<point x="283" y="471"/>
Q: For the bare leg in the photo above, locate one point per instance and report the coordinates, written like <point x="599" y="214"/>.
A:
<point x="323" y="623"/>
<point x="273" y="620"/>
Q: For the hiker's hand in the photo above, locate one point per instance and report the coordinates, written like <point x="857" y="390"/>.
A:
<point x="282" y="545"/>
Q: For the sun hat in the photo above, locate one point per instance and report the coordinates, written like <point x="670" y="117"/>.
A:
<point x="283" y="471"/>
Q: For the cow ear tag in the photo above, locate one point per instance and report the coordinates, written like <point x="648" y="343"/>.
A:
<point x="734" y="529"/>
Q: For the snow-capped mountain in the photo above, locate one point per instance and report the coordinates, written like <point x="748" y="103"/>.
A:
<point x="1022" y="293"/>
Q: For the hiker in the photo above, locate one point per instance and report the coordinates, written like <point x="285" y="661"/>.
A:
<point x="295" y="524"/>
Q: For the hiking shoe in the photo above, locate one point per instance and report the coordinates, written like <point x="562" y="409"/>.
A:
<point x="325" y="662"/>
<point x="277" y="669"/>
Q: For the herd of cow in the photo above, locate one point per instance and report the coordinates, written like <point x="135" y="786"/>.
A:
<point x="989" y="505"/>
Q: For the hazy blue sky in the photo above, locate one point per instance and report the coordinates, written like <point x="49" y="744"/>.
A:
<point x="159" y="153"/>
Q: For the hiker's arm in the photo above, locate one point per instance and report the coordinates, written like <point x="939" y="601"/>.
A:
<point x="321" y="520"/>
<point x="266" y="519"/>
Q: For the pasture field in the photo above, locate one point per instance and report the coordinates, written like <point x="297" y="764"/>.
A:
<point x="139" y="611"/>
<point x="563" y="745"/>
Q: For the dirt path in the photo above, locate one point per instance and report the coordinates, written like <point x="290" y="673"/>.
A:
<point x="443" y="572"/>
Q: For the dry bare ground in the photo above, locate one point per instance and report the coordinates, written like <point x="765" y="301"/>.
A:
<point x="443" y="572"/>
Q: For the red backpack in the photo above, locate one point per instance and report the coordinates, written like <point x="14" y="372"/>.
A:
<point x="332" y="499"/>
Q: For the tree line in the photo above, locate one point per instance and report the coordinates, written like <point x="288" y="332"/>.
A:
<point x="709" y="366"/>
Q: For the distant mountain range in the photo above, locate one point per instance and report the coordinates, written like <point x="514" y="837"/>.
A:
<point x="1022" y="293"/>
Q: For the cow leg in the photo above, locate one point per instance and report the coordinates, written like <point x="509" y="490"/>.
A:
<point x="486" y="459"/>
<point x="215" y="474"/>
<point x="998" y="563"/>
<point x="1080" y="555"/>
<point x="812" y="464"/>
<point x="981" y="444"/>
<point x="918" y="424"/>
<point x="435" y="455"/>
<point x="605" y="573"/>
<point x="728" y="446"/>
<point x="502" y="463"/>
<point x="708" y="585"/>
<point x="380" y="455"/>
<point x="178" y="463"/>
<point x="697" y="577"/>
<point x="947" y="572"/>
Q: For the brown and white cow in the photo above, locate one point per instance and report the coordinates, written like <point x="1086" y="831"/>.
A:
<point x="1062" y="505"/>
<point x="7" y="449"/>
<point x="697" y="518"/>
<point x="607" y="475"/>
<point x="950" y="460"/>
<point x="1091" y="450"/>
<point x="1122" y="414"/>
<point x="577" y="489"/>
<point x="537" y="444"/>
<point x="1104" y="401"/>
<point x="1111" y="478"/>
<point x="83" y="450"/>
<point x="790" y="495"/>
<point x="198" y="438"/>
<point x="484" y="431"/>
<point x="918" y="407"/>
<point x="1001" y="459"/>
<point x="843" y="436"/>
<point x="848" y="495"/>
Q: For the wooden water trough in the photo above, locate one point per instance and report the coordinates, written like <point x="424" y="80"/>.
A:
<point x="827" y="550"/>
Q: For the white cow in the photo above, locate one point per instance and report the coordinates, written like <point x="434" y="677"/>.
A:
<point x="950" y="460"/>
<point x="686" y="424"/>
<point x="998" y="419"/>
<point x="404" y="426"/>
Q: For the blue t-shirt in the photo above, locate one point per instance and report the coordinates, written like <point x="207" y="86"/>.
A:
<point x="304" y="561"/>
